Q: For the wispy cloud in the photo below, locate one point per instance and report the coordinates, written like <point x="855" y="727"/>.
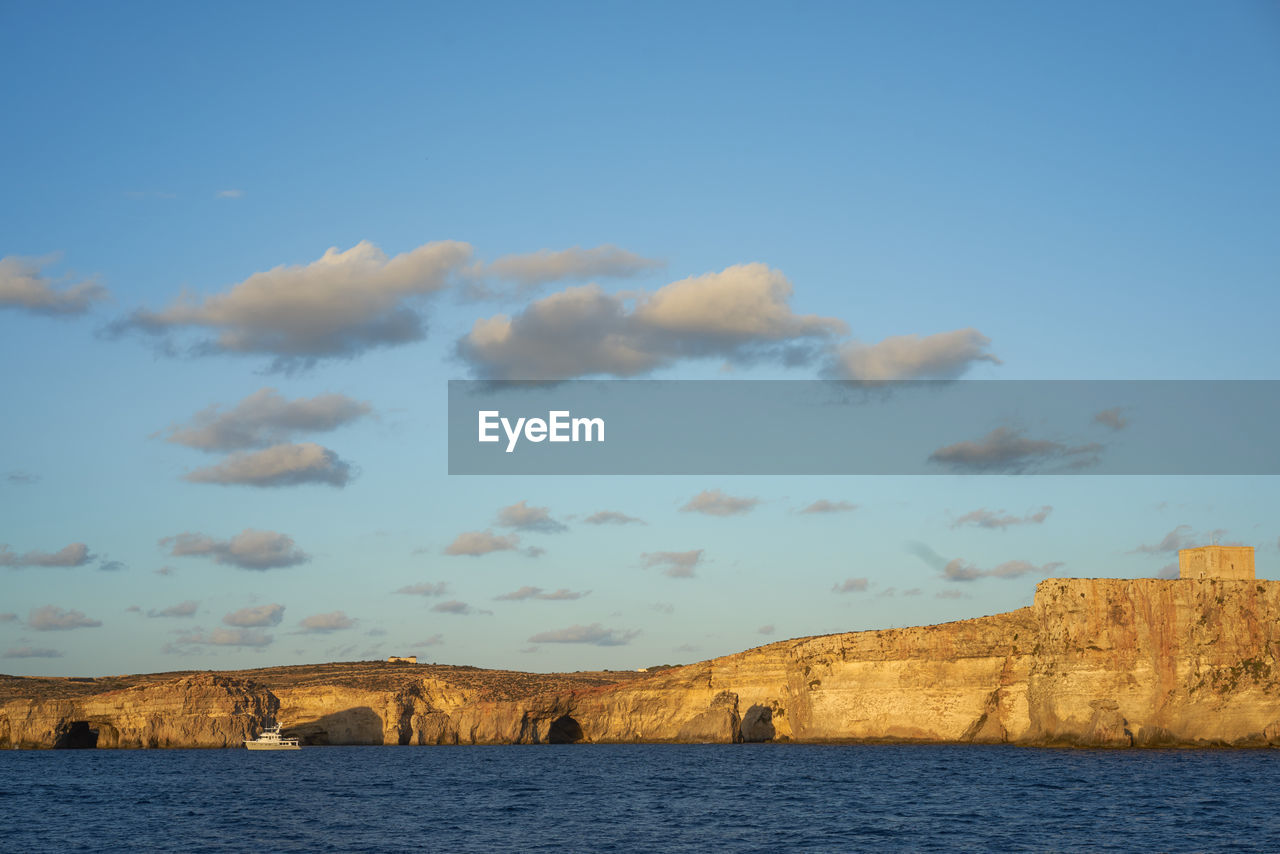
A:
<point x="959" y="570"/>
<point x="822" y="505"/>
<point x="850" y="585"/>
<point x="229" y="194"/>
<point x="182" y="609"/>
<point x="674" y="564"/>
<point x="612" y="517"/>
<point x="333" y="621"/>
<point x="1179" y="538"/>
<point x="1113" y="418"/>
<point x="741" y="313"/>
<point x="1010" y="451"/>
<point x="439" y="588"/>
<point x="253" y="638"/>
<point x="525" y="593"/>
<point x="713" y="502"/>
<point x="945" y="355"/>
<point x="256" y="617"/>
<point x="279" y="465"/>
<point x="250" y="549"/>
<point x="76" y="554"/>
<point x="53" y="619"/>
<point x="341" y="305"/>
<point x="477" y="543"/>
<point x="21" y="478"/>
<point x="453" y="606"/>
<point x="25" y="287"/>
<point x="999" y="520"/>
<point x="263" y="419"/>
<point x="31" y="652"/>
<point x="531" y="271"/>
<point x="594" y="634"/>
<point x="522" y="517"/>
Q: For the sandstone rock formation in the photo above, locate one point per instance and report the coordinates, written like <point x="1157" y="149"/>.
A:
<point x="1093" y="662"/>
<point x="204" y="710"/>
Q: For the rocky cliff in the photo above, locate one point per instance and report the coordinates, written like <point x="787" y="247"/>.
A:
<point x="1093" y="662"/>
<point x="204" y="710"/>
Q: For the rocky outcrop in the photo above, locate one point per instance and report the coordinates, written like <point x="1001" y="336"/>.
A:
<point x="1093" y="662"/>
<point x="204" y="710"/>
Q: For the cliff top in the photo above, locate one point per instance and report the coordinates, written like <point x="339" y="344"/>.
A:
<point x="367" y="675"/>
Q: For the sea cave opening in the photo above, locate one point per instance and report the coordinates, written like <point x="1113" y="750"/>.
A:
<point x="77" y="736"/>
<point x="564" y="730"/>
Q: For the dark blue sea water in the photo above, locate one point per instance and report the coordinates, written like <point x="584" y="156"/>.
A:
<point x="640" y="798"/>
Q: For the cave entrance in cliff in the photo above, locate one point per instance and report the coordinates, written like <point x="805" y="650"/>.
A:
<point x="77" y="736"/>
<point x="565" y="730"/>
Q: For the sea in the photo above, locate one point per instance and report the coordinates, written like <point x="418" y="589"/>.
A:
<point x="668" y="798"/>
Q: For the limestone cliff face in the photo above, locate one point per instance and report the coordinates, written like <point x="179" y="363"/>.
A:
<point x="1154" y="662"/>
<point x="1093" y="662"/>
<point x="205" y="710"/>
<point x="964" y="681"/>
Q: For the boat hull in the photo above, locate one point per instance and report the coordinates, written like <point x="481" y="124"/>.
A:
<point x="249" y="745"/>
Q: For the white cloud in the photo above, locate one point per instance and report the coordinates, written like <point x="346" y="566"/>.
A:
<point x="740" y="313"/>
<point x="425" y="589"/>
<point x="611" y="517"/>
<point x="182" y="609"/>
<point x="76" y="554"/>
<point x="226" y="637"/>
<point x="31" y="652"/>
<point x="477" y="543"/>
<point x="279" y="465"/>
<point x="594" y="634"/>
<point x="54" y="619"/>
<point x="256" y="616"/>
<point x="338" y="306"/>
<point x="822" y="505"/>
<point x="525" y="518"/>
<point x="1010" y="451"/>
<point x="713" y="502"/>
<point x="942" y="356"/>
<point x="959" y="570"/>
<point x="229" y="194"/>
<point x="675" y="564"/>
<point x="324" y="623"/>
<point x="24" y="287"/>
<point x="525" y="593"/>
<point x="250" y="549"/>
<point x="999" y="520"/>
<point x="265" y="418"/>
<point x="532" y="270"/>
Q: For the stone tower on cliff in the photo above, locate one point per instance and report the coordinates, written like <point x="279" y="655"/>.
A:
<point x="1234" y="562"/>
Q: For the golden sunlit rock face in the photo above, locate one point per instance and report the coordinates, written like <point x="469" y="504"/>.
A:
<point x="1093" y="662"/>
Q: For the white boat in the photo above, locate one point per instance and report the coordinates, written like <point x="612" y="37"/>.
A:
<point x="272" y="740"/>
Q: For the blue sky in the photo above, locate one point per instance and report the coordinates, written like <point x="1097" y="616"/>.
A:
<point x="1082" y="191"/>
